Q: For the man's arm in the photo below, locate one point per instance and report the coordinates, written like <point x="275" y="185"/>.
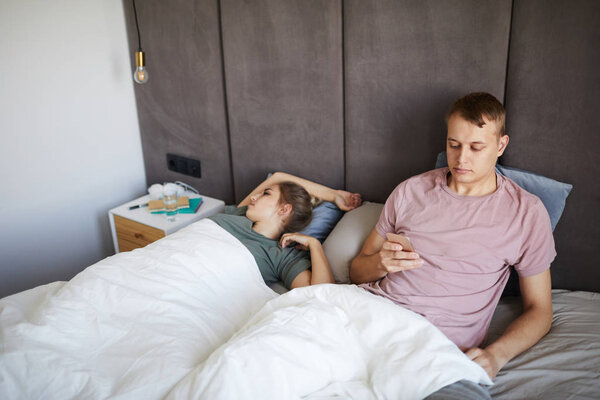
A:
<point x="523" y="332"/>
<point x="378" y="257"/>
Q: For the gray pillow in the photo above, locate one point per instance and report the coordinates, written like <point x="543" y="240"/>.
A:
<point x="347" y="238"/>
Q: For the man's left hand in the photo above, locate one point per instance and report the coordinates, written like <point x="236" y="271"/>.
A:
<point x="486" y="359"/>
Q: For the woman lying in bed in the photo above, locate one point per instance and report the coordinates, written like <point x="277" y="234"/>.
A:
<point x="268" y="220"/>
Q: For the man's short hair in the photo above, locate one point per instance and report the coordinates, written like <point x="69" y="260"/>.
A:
<point x="475" y="106"/>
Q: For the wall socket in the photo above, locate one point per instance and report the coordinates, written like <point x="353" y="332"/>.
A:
<point x="184" y="165"/>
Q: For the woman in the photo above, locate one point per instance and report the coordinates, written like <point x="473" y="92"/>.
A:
<point x="267" y="222"/>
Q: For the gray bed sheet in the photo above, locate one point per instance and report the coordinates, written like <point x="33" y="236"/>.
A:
<point x="565" y="364"/>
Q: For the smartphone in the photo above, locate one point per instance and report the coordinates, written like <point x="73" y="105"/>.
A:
<point x="403" y="240"/>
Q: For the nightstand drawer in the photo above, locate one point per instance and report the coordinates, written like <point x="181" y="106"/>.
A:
<point x="132" y="235"/>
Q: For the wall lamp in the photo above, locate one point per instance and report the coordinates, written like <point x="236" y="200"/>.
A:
<point x="140" y="75"/>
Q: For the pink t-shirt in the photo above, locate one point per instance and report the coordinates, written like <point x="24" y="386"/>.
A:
<point x="467" y="245"/>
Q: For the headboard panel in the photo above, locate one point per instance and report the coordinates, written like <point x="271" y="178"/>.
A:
<point x="353" y="93"/>
<point x="406" y="62"/>
<point x="283" y="74"/>
<point x="553" y="120"/>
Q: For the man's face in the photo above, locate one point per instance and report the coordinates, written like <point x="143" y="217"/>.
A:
<point x="472" y="151"/>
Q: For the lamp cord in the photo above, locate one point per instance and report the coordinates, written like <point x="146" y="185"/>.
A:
<point x="137" y="27"/>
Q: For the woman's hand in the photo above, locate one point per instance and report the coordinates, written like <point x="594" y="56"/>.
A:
<point x="304" y="242"/>
<point x="347" y="201"/>
<point x="319" y="271"/>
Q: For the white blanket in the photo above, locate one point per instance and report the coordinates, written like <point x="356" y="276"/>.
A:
<point x="329" y="341"/>
<point x="132" y="325"/>
<point x="159" y="322"/>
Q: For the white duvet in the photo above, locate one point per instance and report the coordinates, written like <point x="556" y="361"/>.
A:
<point x="158" y="322"/>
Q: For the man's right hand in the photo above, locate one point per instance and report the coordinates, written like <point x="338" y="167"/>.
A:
<point x="378" y="257"/>
<point x="392" y="258"/>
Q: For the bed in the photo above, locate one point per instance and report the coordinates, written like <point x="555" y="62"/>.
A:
<point x="190" y="317"/>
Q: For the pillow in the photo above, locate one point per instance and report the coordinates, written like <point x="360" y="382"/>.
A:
<point x="348" y="237"/>
<point x="552" y="193"/>
<point x="324" y="218"/>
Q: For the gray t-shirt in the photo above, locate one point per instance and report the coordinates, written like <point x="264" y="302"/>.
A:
<point x="275" y="263"/>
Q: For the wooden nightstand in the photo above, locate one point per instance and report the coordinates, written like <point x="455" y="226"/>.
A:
<point x="132" y="229"/>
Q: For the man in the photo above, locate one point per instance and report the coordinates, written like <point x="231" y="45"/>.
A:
<point x="467" y="225"/>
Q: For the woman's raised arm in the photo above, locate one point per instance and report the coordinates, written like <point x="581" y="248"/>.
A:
<point x="344" y="200"/>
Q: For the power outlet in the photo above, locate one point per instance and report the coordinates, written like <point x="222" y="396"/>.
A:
<point x="184" y="165"/>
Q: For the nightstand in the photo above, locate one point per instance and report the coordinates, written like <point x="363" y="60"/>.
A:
<point x="132" y="229"/>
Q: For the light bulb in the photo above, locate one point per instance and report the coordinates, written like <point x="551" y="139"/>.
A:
<point x="140" y="75"/>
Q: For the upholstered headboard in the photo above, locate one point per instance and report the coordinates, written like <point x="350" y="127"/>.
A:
<point x="353" y="94"/>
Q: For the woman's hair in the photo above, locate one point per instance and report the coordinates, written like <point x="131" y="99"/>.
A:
<point x="299" y="199"/>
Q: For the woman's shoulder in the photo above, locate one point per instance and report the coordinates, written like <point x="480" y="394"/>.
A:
<point x="235" y="210"/>
<point x="233" y="220"/>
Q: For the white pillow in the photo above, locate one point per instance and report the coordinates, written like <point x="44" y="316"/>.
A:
<point x="347" y="238"/>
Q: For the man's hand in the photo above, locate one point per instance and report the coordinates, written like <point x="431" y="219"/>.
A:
<point x="393" y="259"/>
<point x="347" y="201"/>
<point x="378" y="257"/>
<point x="488" y="360"/>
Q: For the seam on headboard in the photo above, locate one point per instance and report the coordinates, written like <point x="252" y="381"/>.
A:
<point x="510" y="25"/>
<point x="344" y="95"/>
<point x="226" y="104"/>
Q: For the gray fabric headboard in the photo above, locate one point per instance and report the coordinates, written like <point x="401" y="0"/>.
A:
<point x="353" y="94"/>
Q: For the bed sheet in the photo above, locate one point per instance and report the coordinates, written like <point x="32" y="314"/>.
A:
<point x="564" y="364"/>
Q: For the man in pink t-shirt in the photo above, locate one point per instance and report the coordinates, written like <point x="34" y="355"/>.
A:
<point x="467" y="225"/>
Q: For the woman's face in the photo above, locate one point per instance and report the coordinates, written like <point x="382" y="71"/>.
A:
<point x="264" y="206"/>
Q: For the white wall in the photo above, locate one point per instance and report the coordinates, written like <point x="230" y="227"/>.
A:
<point x="70" y="146"/>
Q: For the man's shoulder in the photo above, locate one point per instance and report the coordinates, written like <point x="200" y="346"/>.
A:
<point x="431" y="175"/>
<point x="524" y="203"/>
<point x="426" y="178"/>
<point x="520" y="195"/>
<point x="418" y="184"/>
